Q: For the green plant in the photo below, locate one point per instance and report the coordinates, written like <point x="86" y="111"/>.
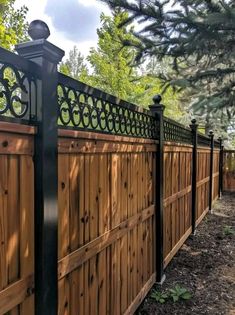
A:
<point x="228" y="230"/>
<point x="178" y="293"/>
<point x="160" y="297"/>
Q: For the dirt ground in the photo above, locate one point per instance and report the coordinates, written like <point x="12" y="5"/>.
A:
<point x="205" y="266"/>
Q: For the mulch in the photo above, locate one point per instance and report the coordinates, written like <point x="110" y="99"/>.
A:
<point x="205" y="265"/>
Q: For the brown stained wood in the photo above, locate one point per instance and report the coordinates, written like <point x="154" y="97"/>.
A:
<point x="3" y="220"/>
<point x="99" y="136"/>
<point x="16" y="144"/>
<point x="94" y="225"/>
<point x="74" y="224"/>
<point x="175" y="249"/>
<point x="75" y="259"/>
<point x="13" y="226"/>
<point x="88" y="146"/>
<point x="17" y="128"/>
<point x="86" y="232"/>
<point x="176" y="196"/>
<point x="63" y="231"/>
<point x="27" y="227"/>
<point x="134" y="177"/>
<point x="15" y="294"/>
<point x="141" y="295"/>
<point x="123" y="240"/>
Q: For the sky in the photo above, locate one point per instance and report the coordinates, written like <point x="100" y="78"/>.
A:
<point x="71" y="22"/>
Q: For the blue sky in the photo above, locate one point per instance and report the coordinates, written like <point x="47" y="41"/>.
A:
<point x="71" y="22"/>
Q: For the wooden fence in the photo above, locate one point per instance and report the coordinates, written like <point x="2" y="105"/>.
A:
<point x="229" y="170"/>
<point x="96" y="194"/>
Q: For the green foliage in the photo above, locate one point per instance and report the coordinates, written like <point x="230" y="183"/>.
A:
<point x="13" y="25"/>
<point x="111" y="67"/>
<point x="158" y="296"/>
<point x="74" y="66"/>
<point x="179" y="293"/>
<point x="176" y="294"/>
<point x="197" y="38"/>
<point x="228" y="230"/>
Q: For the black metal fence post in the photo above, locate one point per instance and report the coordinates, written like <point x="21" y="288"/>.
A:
<point x="221" y="157"/>
<point x="194" y="127"/>
<point x="158" y="109"/>
<point x="47" y="56"/>
<point x="211" y="135"/>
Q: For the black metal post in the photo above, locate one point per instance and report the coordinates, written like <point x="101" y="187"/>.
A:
<point x="194" y="127"/>
<point x="158" y="110"/>
<point x="211" y="135"/>
<point x="221" y="157"/>
<point x="47" y="56"/>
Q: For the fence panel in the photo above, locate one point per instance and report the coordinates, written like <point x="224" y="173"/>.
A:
<point x="177" y="197"/>
<point x="203" y="181"/>
<point x="106" y="222"/>
<point x="216" y="161"/>
<point x="16" y="219"/>
<point x="229" y="171"/>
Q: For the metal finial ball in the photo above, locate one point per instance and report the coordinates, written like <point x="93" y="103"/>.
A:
<point x="38" y="30"/>
<point x="193" y="121"/>
<point x="211" y="132"/>
<point x="157" y="99"/>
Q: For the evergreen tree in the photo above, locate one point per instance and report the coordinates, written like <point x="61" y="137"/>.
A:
<point x="198" y="37"/>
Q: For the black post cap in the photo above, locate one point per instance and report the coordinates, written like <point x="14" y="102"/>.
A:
<point x="211" y="133"/>
<point x="38" y="30"/>
<point x="157" y="99"/>
<point x="193" y="121"/>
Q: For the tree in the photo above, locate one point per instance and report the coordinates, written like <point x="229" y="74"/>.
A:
<point x="110" y="61"/>
<point x="13" y="25"/>
<point x="74" y="66"/>
<point x="113" y="72"/>
<point x="197" y="36"/>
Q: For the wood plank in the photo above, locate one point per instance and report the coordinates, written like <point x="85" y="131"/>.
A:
<point x="177" y="246"/>
<point x="94" y="225"/>
<point x="63" y="230"/>
<point x="141" y="295"/>
<point x="16" y="144"/>
<point x="75" y="259"/>
<point x="3" y="220"/>
<point x="16" y="293"/>
<point x="89" y="146"/>
<point x="68" y="133"/>
<point x="27" y="227"/>
<point x="17" y="128"/>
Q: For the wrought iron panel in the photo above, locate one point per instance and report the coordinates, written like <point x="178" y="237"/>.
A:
<point x="176" y="132"/>
<point x="204" y="140"/>
<point x="17" y="87"/>
<point x="85" y="108"/>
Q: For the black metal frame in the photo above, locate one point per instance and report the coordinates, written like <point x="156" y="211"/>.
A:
<point x="211" y="136"/>
<point x="194" y="127"/>
<point x="83" y="107"/>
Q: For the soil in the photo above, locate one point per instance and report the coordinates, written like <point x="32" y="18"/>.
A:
<point x="205" y="265"/>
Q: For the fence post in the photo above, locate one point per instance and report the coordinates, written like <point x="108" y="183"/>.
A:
<point x="47" y="56"/>
<point x="158" y="109"/>
<point x="194" y="127"/>
<point x="221" y="157"/>
<point x="211" y="135"/>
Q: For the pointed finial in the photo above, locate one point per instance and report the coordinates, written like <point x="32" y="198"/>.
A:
<point x="38" y="30"/>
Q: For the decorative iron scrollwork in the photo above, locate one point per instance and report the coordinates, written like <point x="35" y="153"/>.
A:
<point x="14" y="92"/>
<point x="176" y="132"/>
<point x="81" y="110"/>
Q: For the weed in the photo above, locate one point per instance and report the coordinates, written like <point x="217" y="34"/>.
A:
<point x="228" y="230"/>
<point x="179" y="293"/>
<point x="160" y="297"/>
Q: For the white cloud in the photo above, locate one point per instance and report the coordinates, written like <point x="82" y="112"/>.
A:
<point x="59" y="36"/>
